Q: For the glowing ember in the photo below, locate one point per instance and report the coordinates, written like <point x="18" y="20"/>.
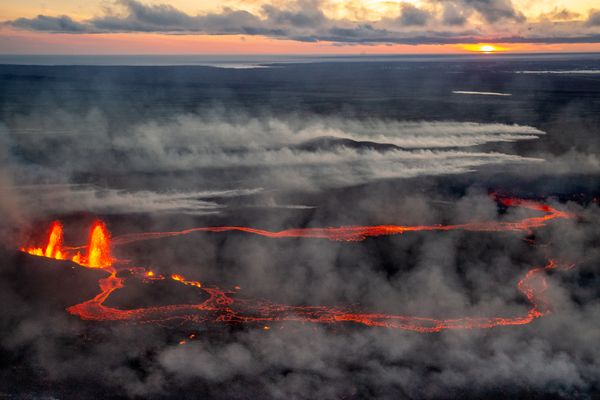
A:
<point x="222" y="306"/>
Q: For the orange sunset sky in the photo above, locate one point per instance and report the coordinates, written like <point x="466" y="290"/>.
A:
<point x="298" y="27"/>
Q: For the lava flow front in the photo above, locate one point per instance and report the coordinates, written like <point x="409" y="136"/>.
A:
<point x="225" y="306"/>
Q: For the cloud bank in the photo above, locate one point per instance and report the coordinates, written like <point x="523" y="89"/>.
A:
<point x="433" y="22"/>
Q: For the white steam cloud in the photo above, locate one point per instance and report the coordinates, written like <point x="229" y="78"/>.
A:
<point x="214" y="153"/>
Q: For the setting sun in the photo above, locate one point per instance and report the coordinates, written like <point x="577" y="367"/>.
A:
<point x="484" y="48"/>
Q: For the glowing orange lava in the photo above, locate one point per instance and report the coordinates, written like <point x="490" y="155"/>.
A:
<point x="53" y="247"/>
<point x="98" y="248"/>
<point x="224" y="306"/>
<point x="357" y="233"/>
<point x="179" y="278"/>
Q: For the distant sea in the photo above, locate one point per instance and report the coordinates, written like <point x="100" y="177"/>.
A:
<point x="254" y="61"/>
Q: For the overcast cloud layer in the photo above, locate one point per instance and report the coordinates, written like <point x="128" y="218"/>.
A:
<point x="433" y="22"/>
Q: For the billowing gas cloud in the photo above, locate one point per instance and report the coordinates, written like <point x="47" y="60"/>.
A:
<point x="279" y="154"/>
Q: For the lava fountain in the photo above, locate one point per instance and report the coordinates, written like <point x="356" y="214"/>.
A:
<point x="53" y="248"/>
<point x="98" y="248"/>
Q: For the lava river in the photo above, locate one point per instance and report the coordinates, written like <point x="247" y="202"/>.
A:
<point x="226" y="307"/>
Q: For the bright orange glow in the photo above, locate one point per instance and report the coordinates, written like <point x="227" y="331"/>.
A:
<point x="53" y="247"/>
<point x="485" y="48"/>
<point x="358" y="233"/>
<point x="99" y="247"/>
<point x="224" y="307"/>
<point x="179" y="278"/>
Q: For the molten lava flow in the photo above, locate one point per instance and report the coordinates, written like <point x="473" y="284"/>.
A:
<point x="357" y="233"/>
<point x="223" y="306"/>
<point x="179" y="278"/>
